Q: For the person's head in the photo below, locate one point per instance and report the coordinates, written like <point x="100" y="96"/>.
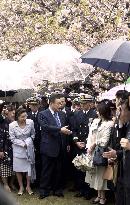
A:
<point x="113" y="109"/>
<point x="123" y="105"/>
<point x="104" y="110"/>
<point x="85" y="105"/>
<point x="44" y="102"/>
<point x="121" y="96"/>
<point x="10" y="112"/>
<point x="76" y="104"/>
<point x="34" y="107"/>
<point x="63" y="101"/>
<point x="21" y="115"/>
<point x="125" y="112"/>
<point x="1" y="106"/>
<point x="55" y="102"/>
<point x="34" y="104"/>
<point x="85" y="102"/>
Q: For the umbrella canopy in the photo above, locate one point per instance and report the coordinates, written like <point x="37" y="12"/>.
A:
<point x="56" y="63"/>
<point x="12" y="76"/>
<point x="128" y="81"/>
<point x="112" y="92"/>
<point x="112" y="55"/>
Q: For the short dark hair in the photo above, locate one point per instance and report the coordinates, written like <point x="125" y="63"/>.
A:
<point x="19" y="112"/>
<point x="123" y="94"/>
<point x="10" y="108"/>
<point x="53" y="97"/>
<point x="104" y="109"/>
<point x="124" y="97"/>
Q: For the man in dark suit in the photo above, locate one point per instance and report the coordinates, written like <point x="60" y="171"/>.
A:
<point x="53" y="130"/>
<point x="82" y="120"/>
<point x="34" y="105"/>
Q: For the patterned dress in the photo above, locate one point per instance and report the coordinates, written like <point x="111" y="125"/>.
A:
<point x="6" y="164"/>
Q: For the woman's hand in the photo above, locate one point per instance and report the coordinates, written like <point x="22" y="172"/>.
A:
<point x="90" y="150"/>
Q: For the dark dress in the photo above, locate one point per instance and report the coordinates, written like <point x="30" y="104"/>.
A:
<point x="6" y="164"/>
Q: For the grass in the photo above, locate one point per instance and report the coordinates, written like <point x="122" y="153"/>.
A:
<point x="69" y="199"/>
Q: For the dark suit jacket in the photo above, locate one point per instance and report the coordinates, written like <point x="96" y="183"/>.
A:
<point x="80" y="128"/>
<point x="123" y="158"/>
<point x="51" y="138"/>
<point x="81" y="124"/>
<point x="37" y="138"/>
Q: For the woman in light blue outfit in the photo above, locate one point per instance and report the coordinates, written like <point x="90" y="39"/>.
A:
<point x="22" y="134"/>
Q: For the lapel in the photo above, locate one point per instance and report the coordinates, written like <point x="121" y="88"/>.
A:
<point x="62" y="118"/>
<point x="51" y="117"/>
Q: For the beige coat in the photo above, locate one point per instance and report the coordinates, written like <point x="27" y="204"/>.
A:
<point x="99" y="135"/>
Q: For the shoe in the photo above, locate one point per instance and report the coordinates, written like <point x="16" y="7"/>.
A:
<point x="7" y="188"/>
<point x="78" y="195"/>
<point x="72" y="190"/>
<point x="43" y="196"/>
<point x="88" y="197"/>
<point x="30" y="192"/>
<point x="20" y="193"/>
<point x="58" y="194"/>
<point x="102" y="203"/>
<point x="96" y="201"/>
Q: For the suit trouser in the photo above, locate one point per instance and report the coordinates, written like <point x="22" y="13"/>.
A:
<point x="80" y="183"/>
<point x="122" y="194"/>
<point x="38" y="166"/>
<point x="51" y="175"/>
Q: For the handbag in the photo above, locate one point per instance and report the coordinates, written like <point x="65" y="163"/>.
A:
<point x="84" y="162"/>
<point x="98" y="159"/>
<point x="108" y="173"/>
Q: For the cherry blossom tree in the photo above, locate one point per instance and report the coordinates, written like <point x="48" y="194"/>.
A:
<point x="26" y="24"/>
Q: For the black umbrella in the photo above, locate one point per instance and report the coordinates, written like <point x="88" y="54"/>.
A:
<point x="112" y="56"/>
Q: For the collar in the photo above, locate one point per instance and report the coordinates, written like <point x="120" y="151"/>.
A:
<point x="64" y="110"/>
<point x="85" y="112"/>
<point x="35" y="113"/>
<point x="72" y="109"/>
<point x="27" y="122"/>
<point x="52" y="111"/>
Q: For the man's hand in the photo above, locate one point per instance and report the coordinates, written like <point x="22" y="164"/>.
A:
<point x="125" y="144"/>
<point x="66" y="131"/>
<point x="68" y="148"/>
<point x="1" y="155"/>
<point x="80" y="145"/>
<point x="110" y="154"/>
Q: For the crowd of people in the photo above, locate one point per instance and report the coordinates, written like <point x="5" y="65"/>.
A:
<point x="38" y="144"/>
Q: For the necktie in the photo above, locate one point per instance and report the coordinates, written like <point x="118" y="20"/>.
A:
<point x="57" y="119"/>
<point x="34" y="116"/>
